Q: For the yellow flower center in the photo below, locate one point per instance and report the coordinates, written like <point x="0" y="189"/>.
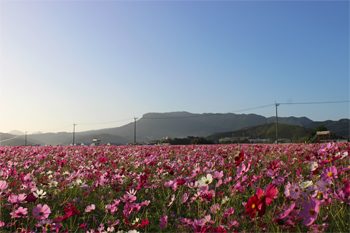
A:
<point x="330" y="174"/>
<point x="312" y="212"/>
<point x="253" y="206"/>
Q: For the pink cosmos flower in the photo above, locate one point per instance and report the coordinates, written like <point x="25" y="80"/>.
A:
<point x="41" y="212"/>
<point x="312" y="190"/>
<point x="128" y="198"/>
<point x="310" y="211"/>
<point x="184" y="198"/>
<point x="199" y="223"/>
<point x="90" y="208"/>
<point x="326" y="148"/>
<point x="229" y="212"/>
<point x="219" y="183"/>
<point x="20" y="212"/>
<point x="145" y="203"/>
<point x="287" y="189"/>
<point x="218" y="175"/>
<point x="163" y="221"/>
<point x="214" y="208"/>
<point x="329" y="173"/>
<point x="3" y="185"/>
<point x="17" y="199"/>
<point x="111" y="208"/>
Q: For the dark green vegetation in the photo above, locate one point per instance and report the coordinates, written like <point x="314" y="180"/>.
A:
<point x="190" y="140"/>
<point x="265" y="131"/>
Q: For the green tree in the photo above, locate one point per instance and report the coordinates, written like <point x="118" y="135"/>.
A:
<point x="314" y="131"/>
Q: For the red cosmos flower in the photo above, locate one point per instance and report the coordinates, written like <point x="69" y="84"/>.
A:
<point x="70" y="211"/>
<point x="218" y="229"/>
<point x="142" y="224"/>
<point x="270" y="194"/>
<point x="180" y="181"/>
<point x="142" y="181"/>
<point x="239" y="158"/>
<point x="102" y="160"/>
<point x="273" y="165"/>
<point x="253" y="206"/>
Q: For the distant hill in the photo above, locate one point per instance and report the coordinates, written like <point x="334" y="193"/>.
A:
<point x="154" y="126"/>
<point x="16" y="140"/>
<point x="340" y="128"/>
<point x="265" y="131"/>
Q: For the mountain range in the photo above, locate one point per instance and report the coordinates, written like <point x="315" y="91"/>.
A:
<point x="153" y="126"/>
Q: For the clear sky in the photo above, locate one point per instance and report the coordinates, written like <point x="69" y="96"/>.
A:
<point x="92" y="62"/>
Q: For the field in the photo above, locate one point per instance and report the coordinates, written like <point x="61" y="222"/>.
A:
<point x="198" y="188"/>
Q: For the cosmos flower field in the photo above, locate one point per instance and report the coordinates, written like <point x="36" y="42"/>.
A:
<point x="197" y="188"/>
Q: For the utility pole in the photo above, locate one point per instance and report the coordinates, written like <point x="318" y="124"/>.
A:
<point x="276" y="123"/>
<point x="74" y="133"/>
<point x="25" y="140"/>
<point x="135" y="130"/>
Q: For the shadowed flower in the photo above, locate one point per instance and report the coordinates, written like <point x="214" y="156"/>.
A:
<point x="310" y="211"/>
<point x="294" y="191"/>
<point x="163" y="221"/>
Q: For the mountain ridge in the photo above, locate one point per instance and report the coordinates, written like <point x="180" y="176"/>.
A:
<point x="153" y="126"/>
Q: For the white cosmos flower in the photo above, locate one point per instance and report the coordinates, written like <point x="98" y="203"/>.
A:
<point x="305" y="184"/>
<point x="313" y="166"/>
<point x="205" y="180"/>
<point x="53" y="183"/>
<point x="224" y="200"/>
<point x="131" y="192"/>
<point x="39" y="194"/>
<point x="344" y="154"/>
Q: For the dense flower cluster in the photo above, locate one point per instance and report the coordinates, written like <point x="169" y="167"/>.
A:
<point x="197" y="188"/>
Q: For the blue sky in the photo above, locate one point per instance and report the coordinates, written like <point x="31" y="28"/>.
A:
<point x="92" y="62"/>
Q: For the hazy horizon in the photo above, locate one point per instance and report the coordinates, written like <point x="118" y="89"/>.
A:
<point x="99" y="64"/>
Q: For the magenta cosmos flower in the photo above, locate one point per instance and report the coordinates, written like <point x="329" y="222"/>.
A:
<point x="41" y="212"/>
<point x="310" y="211"/>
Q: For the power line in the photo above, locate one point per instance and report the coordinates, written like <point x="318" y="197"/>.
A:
<point x="11" y="138"/>
<point x="328" y="102"/>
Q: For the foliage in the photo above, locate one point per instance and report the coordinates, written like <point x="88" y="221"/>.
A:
<point x="266" y="131"/>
